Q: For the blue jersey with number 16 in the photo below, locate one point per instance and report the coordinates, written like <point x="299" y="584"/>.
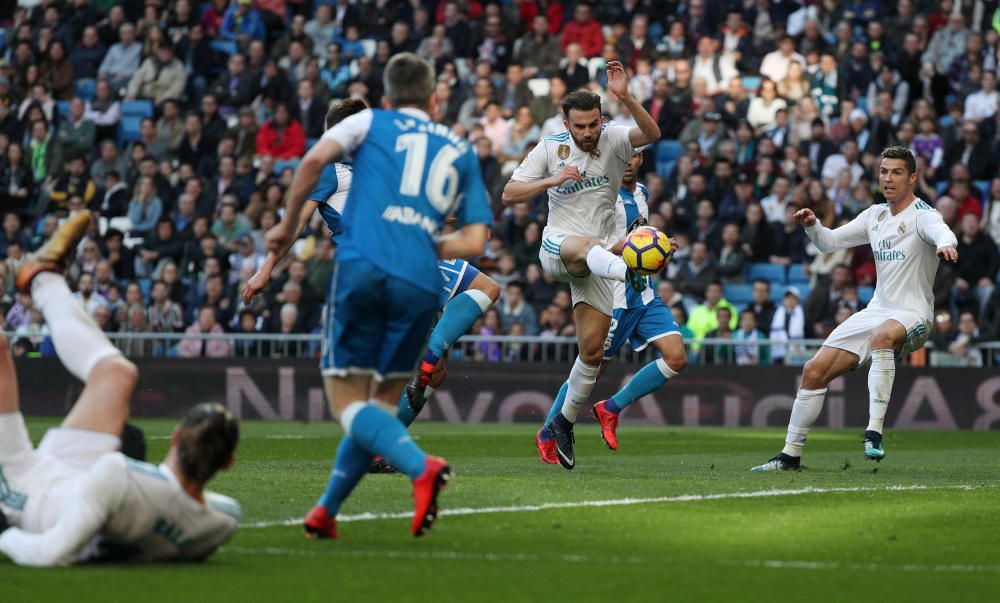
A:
<point x="409" y="174"/>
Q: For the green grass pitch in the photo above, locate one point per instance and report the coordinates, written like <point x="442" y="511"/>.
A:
<point x="921" y="526"/>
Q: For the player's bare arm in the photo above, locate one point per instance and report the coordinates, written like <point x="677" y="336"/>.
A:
<point x="468" y="242"/>
<point x="519" y="192"/>
<point x="646" y="130"/>
<point x="325" y="151"/>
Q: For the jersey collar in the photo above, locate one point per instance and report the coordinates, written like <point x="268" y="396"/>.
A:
<point x="414" y="112"/>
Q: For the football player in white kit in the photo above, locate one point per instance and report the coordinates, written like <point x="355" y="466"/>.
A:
<point x="76" y="498"/>
<point x="908" y="239"/>
<point x="582" y="169"/>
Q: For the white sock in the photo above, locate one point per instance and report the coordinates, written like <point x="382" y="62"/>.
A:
<point x="880" y="377"/>
<point x="805" y="411"/>
<point x="665" y="369"/>
<point x="604" y="264"/>
<point x="581" y="382"/>
<point x="347" y="416"/>
<point x="428" y="392"/>
<point x="79" y="342"/>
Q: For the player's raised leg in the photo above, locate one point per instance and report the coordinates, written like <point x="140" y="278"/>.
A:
<point x="585" y="256"/>
<point x="887" y="342"/>
<point x="828" y="364"/>
<point x="652" y="376"/>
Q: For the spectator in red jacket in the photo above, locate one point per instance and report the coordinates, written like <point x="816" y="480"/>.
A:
<point x="281" y="136"/>
<point x="585" y="31"/>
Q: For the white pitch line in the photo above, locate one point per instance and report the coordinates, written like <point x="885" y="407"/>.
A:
<point x="609" y="503"/>
<point x="834" y="565"/>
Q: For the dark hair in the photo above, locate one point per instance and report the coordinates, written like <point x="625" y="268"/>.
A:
<point x="762" y="280"/>
<point x="342" y="109"/>
<point x="208" y="436"/>
<point x="581" y="100"/>
<point x="901" y="153"/>
<point x="408" y="80"/>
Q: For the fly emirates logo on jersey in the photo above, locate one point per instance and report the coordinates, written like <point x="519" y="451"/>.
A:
<point x="884" y="252"/>
<point x="586" y="183"/>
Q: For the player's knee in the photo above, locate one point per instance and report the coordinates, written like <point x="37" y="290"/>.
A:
<point x="813" y="374"/>
<point x="592" y="355"/>
<point x="676" y="360"/>
<point x="490" y="288"/>
<point x="885" y="339"/>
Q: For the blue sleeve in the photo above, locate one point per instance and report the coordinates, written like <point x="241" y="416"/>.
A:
<point x="475" y="207"/>
<point x="226" y="29"/>
<point x="327" y="185"/>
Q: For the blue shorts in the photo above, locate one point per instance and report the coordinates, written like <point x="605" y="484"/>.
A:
<point x="456" y="276"/>
<point x="639" y="326"/>
<point x="375" y="324"/>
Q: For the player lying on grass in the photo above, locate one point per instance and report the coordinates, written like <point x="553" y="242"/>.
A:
<point x="639" y="318"/>
<point x="908" y="238"/>
<point x="76" y="498"/>
<point x="581" y="170"/>
<point x="465" y="295"/>
<point x="385" y="284"/>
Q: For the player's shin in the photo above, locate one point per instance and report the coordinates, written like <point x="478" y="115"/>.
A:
<point x="581" y="381"/>
<point x="79" y="342"/>
<point x="805" y="411"/>
<point x="382" y="434"/>
<point x="649" y="378"/>
<point x="880" y="377"/>
<point x="458" y="317"/>
<point x="557" y="406"/>
<point x="349" y="467"/>
<point x="604" y="264"/>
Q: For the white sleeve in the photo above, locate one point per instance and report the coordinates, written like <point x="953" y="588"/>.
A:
<point x="933" y="230"/>
<point x="100" y="491"/>
<point x="618" y="135"/>
<point x="852" y="234"/>
<point x="350" y="132"/>
<point x="535" y="165"/>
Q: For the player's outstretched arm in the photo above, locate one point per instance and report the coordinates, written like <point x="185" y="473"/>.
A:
<point x="259" y="280"/>
<point x="932" y="229"/>
<point x="519" y="192"/>
<point x="646" y="130"/>
<point x="468" y="242"/>
<point x="326" y="150"/>
<point x="852" y="234"/>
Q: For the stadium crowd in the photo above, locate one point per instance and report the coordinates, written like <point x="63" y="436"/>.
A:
<point x="180" y="124"/>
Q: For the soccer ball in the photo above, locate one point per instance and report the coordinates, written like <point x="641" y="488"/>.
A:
<point x="647" y="250"/>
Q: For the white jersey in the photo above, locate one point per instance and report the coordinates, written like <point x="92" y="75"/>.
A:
<point x="581" y="208"/>
<point x="120" y="509"/>
<point x="905" y="250"/>
<point x="630" y="206"/>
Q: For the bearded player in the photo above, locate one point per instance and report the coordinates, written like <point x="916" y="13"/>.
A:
<point x="908" y="239"/>
<point x="582" y="169"/>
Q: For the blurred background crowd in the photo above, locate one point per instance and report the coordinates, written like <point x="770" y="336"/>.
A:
<point x="181" y="122"/>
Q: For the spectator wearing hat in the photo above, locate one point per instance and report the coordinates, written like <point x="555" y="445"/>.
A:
<point x="161" y="76"/>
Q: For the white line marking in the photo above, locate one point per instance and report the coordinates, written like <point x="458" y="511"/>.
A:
<point x="290" y="437"/>
<point x="610" y="503"/>
<point x="835" y="565"/>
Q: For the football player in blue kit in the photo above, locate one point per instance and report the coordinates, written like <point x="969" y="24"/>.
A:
<point x="384" y="287"/>
<point x="640" y="318"/>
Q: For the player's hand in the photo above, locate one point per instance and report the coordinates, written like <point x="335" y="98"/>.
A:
<point x="948" y="253"/>
<point x="570" y="172"/>
<point x="278" y="237"/>
<point x="255" y="285"/>
<point x="805" y="217"/>
<point x="617" y="79"/>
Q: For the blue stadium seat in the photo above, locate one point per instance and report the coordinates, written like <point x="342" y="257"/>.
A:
<point x="279" y="166"/>
<point x="85" y="88"/>
<point x="984" y="188"/>
<point x="137" y="108"/>
<point x="941" y="187"/>
<point x="63" y="108"/>
<point x="128" y="129"/>
<point x="774" y="273"/>
<point x="739" y="295"/>
<point x="865" y="294"/>
<point x="667" y="152"/>
<point x="752" y="82"/>
<point x="145" y="286"/>
<point x="797" y="275"/>
<point x="226" y="47"/>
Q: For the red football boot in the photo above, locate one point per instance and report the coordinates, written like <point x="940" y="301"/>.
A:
<point x="546" y="448"/>
<point x="436" y="475"/>
<point x="318" y="524"/>
<point x="609" y="423"/>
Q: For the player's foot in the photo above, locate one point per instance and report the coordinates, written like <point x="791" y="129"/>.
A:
<point x="546" y="447"/>
<point x="873" y="446"/>
<point x="782" y="462"/>
<point x="636" y="280"/>
<point x="609" y="423"/>
<point x="379" y="465"/>
<point x="436" y="475"/>
<point x="54" y="256"/>
<point x="562" y="433"/>
<point x="319" y="524"/>
<point x="415" y="394"/>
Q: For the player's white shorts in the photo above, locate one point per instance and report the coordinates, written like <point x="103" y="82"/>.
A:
<point x="591" y="290"/>
<point x="36" y="484"/>
<point x="855" y="334"/>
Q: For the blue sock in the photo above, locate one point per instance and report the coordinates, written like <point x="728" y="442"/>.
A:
<point x="380" y="433"/>
<point x="557" y="405"/>
<point x="404" y="413"/>
<point x="647" y="380"/>
<point x="457" y="319"/>
<point x="349" y="467"/>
